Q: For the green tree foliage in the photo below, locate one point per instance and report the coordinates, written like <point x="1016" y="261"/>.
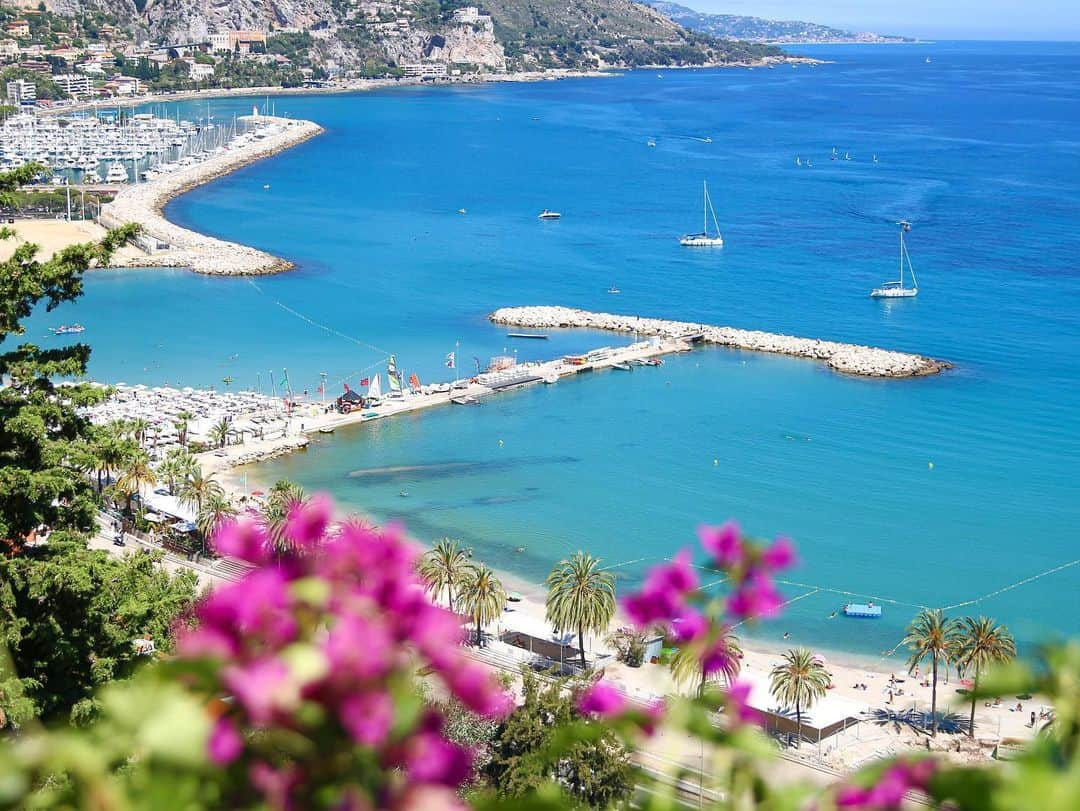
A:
<point x="483" y="597"/>
<point x="69" y="618"/>
<point x="932" y="636"/>
<point x="444" y="568"/>
<point x="799" y="681"/>
<point x="39" y="482"/>
<point x="580" y="598"/>
<point x="528" y="751"/>
<point x="981" y="643"/>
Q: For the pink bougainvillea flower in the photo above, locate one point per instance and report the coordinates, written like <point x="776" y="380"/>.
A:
<point x="689" y="625"/>
<point x="779" y="555"/>
<point x="724" y="544"/>
<point x="275" y="784"/>
<point x="242" y="538"/>
<point x="475" y="687"/>
<point x="718" y="656"/>
<point x="226" y="743"/>
<point x="677" y="577"/>
<point x="258" y="605"/>
<point x="888" y="792"/>
<point x="429" y="758"/>
<point x="603" y="699"/>
<point x="206" y="643"/>
<point x="737" y="706"/>
<point x="367" y="717"/>
<point x="358" y="649"/>
<point x="646" y="608"/>
<point x="756" y="597"/>
<point x="307" y="521"/>
<point x="262" y="688"/>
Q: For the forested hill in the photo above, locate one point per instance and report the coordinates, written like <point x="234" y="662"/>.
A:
<point x="757" y="29"/>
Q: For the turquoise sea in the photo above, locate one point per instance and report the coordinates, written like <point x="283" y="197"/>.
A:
<point x="926" y="492"/>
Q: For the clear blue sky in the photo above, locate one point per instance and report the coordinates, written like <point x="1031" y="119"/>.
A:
<point x="929" y="19"/>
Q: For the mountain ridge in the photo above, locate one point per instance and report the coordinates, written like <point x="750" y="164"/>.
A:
<point x="761" y="30"/>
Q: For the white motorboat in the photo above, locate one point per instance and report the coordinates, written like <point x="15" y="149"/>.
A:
<point x="547" y="214"/>
<point x="897" y="289"/>
<point x="116" y="174"/>
<point x="704" y="239"/>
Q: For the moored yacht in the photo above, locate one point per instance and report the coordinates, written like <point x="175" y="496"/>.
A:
<point x="704" y="239"/>
<point x="897" y="289"/>
<point x="116" y="174"/>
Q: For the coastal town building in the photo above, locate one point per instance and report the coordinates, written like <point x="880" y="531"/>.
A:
<point x="124" y="85"/>
<point x="21" y="92"/>
<point x="36" y="66"/>
<point x="198" y="71"/>
<point x="9" y="48"/>
<point x="425" y="70"/>
<point x="20" y="29"/>
<point x="241" y="41"/>
<point x="74" y="84"/>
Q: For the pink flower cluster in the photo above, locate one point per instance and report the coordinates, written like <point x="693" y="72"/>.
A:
<point x="888" y="792"/>
<point x="323" y="641"/>
<point x="670" y="589"/>
<point x="607" y="701"/>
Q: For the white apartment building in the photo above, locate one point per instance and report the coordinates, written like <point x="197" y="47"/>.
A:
<point x="20" y="91"/>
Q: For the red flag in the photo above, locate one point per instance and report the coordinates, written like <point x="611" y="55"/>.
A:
<point x="365" y="382"/>
<point x="346" y="386"/>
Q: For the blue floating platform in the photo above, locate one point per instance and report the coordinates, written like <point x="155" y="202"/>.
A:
<point x="862" y="610"/>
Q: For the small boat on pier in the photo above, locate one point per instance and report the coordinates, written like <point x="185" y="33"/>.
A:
<point x="537" y="335"/>
<point x="67" y="329"/>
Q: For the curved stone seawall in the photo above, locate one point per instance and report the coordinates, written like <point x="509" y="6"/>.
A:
<point x="142" y="203"/>
<point x="850" y="359"/>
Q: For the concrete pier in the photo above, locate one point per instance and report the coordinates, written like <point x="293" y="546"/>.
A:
<point x="852" y="359"/>
<point x="173" y="246"/>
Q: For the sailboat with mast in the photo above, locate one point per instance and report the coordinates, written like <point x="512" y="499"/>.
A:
<point x="704" y="239"/>
<point x="897" y="289"/>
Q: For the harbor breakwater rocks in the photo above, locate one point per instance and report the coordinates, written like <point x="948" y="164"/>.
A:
<point x="142" y="203"/>
<point x="852" y="359"/>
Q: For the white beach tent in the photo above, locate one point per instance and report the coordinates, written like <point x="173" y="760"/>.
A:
<point x="828" y="716"/>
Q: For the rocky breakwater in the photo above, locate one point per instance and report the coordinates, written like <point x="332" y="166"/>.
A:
<point x="852" y="359"/>
<point x="172" y="246"/>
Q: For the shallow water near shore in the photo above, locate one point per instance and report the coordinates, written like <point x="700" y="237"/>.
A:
<point x="927" y="492"/>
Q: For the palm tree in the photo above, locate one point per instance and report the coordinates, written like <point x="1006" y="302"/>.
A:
<point x="982" y="643"/>
<point x="581" y="597"/>
<point x="138" y="428"/>
<point x="686" y="665"/>
<point x="216" y="510"/>
<point x="197" y="489"/>
<point x="482" y="596"/>
<point x="181" y="426"/>
<point x="136" y="475"/>
<point x="931" y="635"/>
<point x="444" y="566"/>
<point x="283" y="497"/>
<point x="175" y="467"/>
<point x="219" y="433"/>
<point x="800" y="681"/>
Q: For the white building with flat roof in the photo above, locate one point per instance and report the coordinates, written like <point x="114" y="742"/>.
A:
<point x="20" y="91"/>
<point x="74" y="84"/>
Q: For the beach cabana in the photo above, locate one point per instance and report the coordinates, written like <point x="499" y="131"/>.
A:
<point x="831" y="715"/>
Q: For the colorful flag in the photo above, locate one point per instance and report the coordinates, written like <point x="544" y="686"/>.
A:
<point x="451" y="360"/>
<point x="363" y="382"/>
<point x="346" y="385"/>
<point x="414" y="382"/>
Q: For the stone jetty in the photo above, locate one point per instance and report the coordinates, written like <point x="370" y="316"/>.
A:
<point x="172" y="246"/>
<point x="852" y="359"/>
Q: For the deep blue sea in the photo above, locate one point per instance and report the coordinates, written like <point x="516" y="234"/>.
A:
<point x="927" y="492"/>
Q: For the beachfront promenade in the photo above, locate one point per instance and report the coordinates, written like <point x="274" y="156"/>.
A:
<point x="142" y="203"/>
<point x="852" y="359"/>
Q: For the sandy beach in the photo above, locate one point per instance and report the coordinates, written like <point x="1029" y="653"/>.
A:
<point x="54" y="235"/>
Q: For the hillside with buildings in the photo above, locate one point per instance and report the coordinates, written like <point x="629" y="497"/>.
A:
<point x="64" y="48"/>
<point x="758" y="29"/>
